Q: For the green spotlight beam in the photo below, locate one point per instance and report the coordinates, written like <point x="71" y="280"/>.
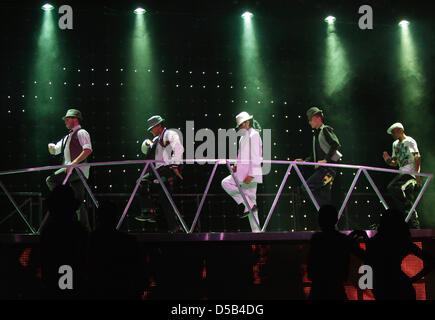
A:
<point x="414" y="105"/>
<point x="410" y="74"/>
<point x="338" y="104"/>
<point x="254" y="87"/>
<point x="143" y="79"/>
<point x="253" y="75"/>
<point x="45" y="93"/>
<point x="47" y="66"/>
<point x="336" y="74"/>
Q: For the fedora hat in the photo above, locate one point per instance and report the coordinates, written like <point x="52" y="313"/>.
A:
<point x="154" y="121"/>
<point x="73" y="113"/>
<point x="313" y="111"/>
<point x="394" y="126"/>
<point x="242" y="117"/>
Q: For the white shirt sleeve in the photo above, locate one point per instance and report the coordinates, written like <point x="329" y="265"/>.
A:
<point x="256" y="156"/>
<point x="176" y="146"/>
<point x="393" y="154"/>
<point x="413" y="146"/>
<point x="58" y="147"/>
<point x="144" y="147"/>
<point x="84" y="139"/>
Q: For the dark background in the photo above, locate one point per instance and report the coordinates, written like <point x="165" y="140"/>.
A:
<point x="204" y="36"/>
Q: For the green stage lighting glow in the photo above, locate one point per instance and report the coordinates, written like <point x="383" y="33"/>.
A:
<point x="143" y="78"/>
<point x="252" y="72"/>
<point x="411" y="72"/>
<point x="247" y="15"/>
<point x="45" y="100"/>
<point x="330" y="19"/>
<point x="337" y="68"/>
<point x="47" y="7"/>
<point x="140" y="11"/>
<point x="414" y="96"/>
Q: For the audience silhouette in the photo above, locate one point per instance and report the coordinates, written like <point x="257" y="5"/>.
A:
<point x="109" y="264"/>
<point x="329" y="257"/>
<point x="116" y="263"/>
<point x="63" y="242"/>
<point x="385" y="253"/>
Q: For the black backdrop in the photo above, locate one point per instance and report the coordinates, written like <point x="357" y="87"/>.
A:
<point x="204" y="36"/>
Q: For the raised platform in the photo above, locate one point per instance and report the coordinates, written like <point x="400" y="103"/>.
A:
<point x="416" y="235"/>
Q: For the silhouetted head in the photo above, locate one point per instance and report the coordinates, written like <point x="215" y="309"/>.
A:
<point x="328" y="217"/>
<point x="107" y="215"/>
<point x="392" y="223"/>
<point x="62" y="203"/>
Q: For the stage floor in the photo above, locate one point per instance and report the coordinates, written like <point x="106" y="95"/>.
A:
<point x="416" y="235"/>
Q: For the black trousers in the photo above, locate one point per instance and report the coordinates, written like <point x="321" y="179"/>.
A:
<point x="403" y="195"/>
<point x="402" y="199"/>
<point x="320" y="184"/>
<point x="76" y="184"/>
<point x="151" y="185"/>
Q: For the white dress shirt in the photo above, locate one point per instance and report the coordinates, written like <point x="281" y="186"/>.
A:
<point x="251" y="151"/>
<point x="172" y="152"/>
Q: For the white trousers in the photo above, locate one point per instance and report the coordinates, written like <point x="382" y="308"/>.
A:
<point x="250" y="192"/>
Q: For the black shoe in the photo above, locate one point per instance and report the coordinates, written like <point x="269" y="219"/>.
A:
<point x="147" y="217"/>
<point x="246" y="213"/>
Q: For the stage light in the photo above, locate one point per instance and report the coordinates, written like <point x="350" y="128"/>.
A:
<point x="330" y="19"/>
<point x="412" y="75"/>
<point x="140" y="11"/>
<point x="247" y="15"/>
<point x="47" y="7"/>
<point x="337" y="69"/>
<point x="141" y="83"/>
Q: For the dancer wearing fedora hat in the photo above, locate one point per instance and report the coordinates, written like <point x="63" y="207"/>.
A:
<point x="249" y="174"/>
<point x="407" y="157"/>
<point x="165" y="146"/>
<point x="325" y="150"/>
<point x="75" y="147"/>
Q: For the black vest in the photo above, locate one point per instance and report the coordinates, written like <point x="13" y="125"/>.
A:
<point x="151" y="153"/>
<point x="75" y="148"/>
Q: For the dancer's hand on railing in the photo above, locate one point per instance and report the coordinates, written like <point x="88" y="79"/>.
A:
<point x="299" y="160"/>
<point x="320" y="161"/>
